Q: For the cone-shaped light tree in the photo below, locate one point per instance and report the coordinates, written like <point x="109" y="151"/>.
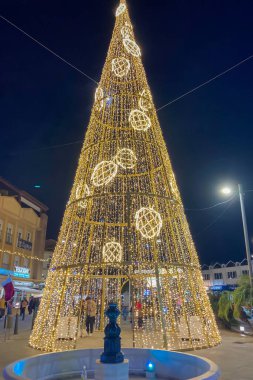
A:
<point x="125" y="222"/>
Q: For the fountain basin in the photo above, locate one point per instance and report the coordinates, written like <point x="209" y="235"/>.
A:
<point x="169" y="365"/>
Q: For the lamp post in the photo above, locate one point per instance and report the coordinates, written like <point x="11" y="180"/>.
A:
<point x="227" y="191"/>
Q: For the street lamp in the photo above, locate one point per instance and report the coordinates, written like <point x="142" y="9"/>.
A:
<point x="226" y="190"/>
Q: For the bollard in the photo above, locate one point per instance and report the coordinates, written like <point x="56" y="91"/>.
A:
<point x="16" y="325"/>
<point x="5" y="319"/>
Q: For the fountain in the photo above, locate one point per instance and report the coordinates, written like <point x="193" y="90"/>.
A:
<point x="140" y="363"/>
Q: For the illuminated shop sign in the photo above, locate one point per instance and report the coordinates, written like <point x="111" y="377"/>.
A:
<point x="20" y="272"/>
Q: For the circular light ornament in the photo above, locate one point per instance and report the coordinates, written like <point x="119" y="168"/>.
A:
<point x="120" y="66"/>
<point x="126" y="158"/>
<point x="131" y="47"/>
<point x="104" y="173"/>
<point x="126" y="31"/>
<point x="82" y="191"/>
<point x="139" y="120"/>
<point x="145" y="102"/>
<point x="112" y="252"/>
<point x="121" y="9"/>
<point x="148" y="222"/>
<point x="99" y="98"/>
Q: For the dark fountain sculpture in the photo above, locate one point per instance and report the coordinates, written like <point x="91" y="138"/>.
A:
<point x="112" y="340"/>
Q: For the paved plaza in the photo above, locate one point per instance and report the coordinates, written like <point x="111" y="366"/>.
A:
<point x="234" y="356"/>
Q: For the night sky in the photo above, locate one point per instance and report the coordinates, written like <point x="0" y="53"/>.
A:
<point x="44" y="103"/>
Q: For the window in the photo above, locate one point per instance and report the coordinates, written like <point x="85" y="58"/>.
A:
<point x="218" y="276"/>
<point x="245" y="272"/>
<point x="19" y="237"/>
<point x="6" y="259"/>
<point x="1" y="228"/>
<point x="9" y="231"/>
<point x="26" y="263"/>
<point x="206" y="276"/>
<point x="232" y="274"/>
<point x="16" y="261"/>
<point x="29" y="236"/>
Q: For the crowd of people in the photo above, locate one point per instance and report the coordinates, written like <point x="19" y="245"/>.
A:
<point x="25" y="306"/>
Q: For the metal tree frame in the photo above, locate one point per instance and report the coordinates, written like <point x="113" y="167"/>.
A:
<point x="171" y="309"/>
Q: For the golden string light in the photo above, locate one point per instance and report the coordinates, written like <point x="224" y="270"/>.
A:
<point x="148" y="222"/>
<point x="119" y="238"/>
<point x="120" y="66"/>
<point x="23" y="255"/>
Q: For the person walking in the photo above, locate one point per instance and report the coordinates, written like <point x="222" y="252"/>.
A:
<point x="2" y="307"/>
<point x="90" y="315"/>
<point x="23" y="306"/>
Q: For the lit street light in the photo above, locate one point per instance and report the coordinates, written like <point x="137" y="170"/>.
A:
<point x="227" y="191"/>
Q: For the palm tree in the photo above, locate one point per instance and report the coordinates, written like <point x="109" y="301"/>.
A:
<point x="230" y="303"/>
<point x="225" y="306"/>
<point x="242" y="296"/>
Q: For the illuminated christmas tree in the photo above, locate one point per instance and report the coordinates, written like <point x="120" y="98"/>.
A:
<point x="125" y="223"/>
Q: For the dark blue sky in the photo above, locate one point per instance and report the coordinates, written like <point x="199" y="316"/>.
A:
<point x="44" y="102"/>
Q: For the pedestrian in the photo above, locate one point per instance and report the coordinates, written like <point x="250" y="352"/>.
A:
<point x="23" y="306"/>
<point x="90" y="308"/>
<point x="125" y="312"/>
<point x="31" y="305"/>
<point x="2" y="307"/>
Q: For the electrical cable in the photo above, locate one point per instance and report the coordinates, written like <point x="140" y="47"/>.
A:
<point x="47" y="147"/>
<point x="45" y="47"/>
<point x="216" y="219"/>
<point x="205" y="83"/>
<point x="210" y="207"/>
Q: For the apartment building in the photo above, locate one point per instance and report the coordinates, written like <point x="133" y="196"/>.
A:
<point x="48" y="254"/>
<point x="220" y="277"/>
<point x="23" y="225"/>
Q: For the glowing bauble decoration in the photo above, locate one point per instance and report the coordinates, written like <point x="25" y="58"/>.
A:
<point x="126" y="31"/>
<point x="131" y="47"/>
<point x="82" y="191"/>
<point x="120" y="66"/>
<point x="139" y="120"/>
<point x="145" y="101"/>
<point x="112" y="252"/>
<point x="104" y="173"/>
<point x="148" y="222"/>
<point x="126" y="158"/>
<point x="99" y="99"/>
<point x="121" y="9"/>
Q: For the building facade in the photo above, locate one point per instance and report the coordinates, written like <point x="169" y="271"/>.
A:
<point x="23" y="225"/>
<point x="220" y="277"/>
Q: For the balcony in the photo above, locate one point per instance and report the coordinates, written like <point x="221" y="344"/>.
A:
<point x="8" y="238"/>
<point x="24" y="244"/>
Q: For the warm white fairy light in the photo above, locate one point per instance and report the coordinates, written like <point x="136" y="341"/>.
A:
<point x="112" y="252"/>
<point x="126" y="31"/>
<point x="104" y="173"/>
<point x="145" y="102"/>
<point x="148" y="222"/>
<point x="131" y="47"/>
<point x="99" y="99"/>
<point x="121" y="9"/>
<point x="126" y="158"/>
<point x="139" y="120"/>
<point x="120" y="66"/>
<point x="125" y="166"/>
<point x="82" y="191"/>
